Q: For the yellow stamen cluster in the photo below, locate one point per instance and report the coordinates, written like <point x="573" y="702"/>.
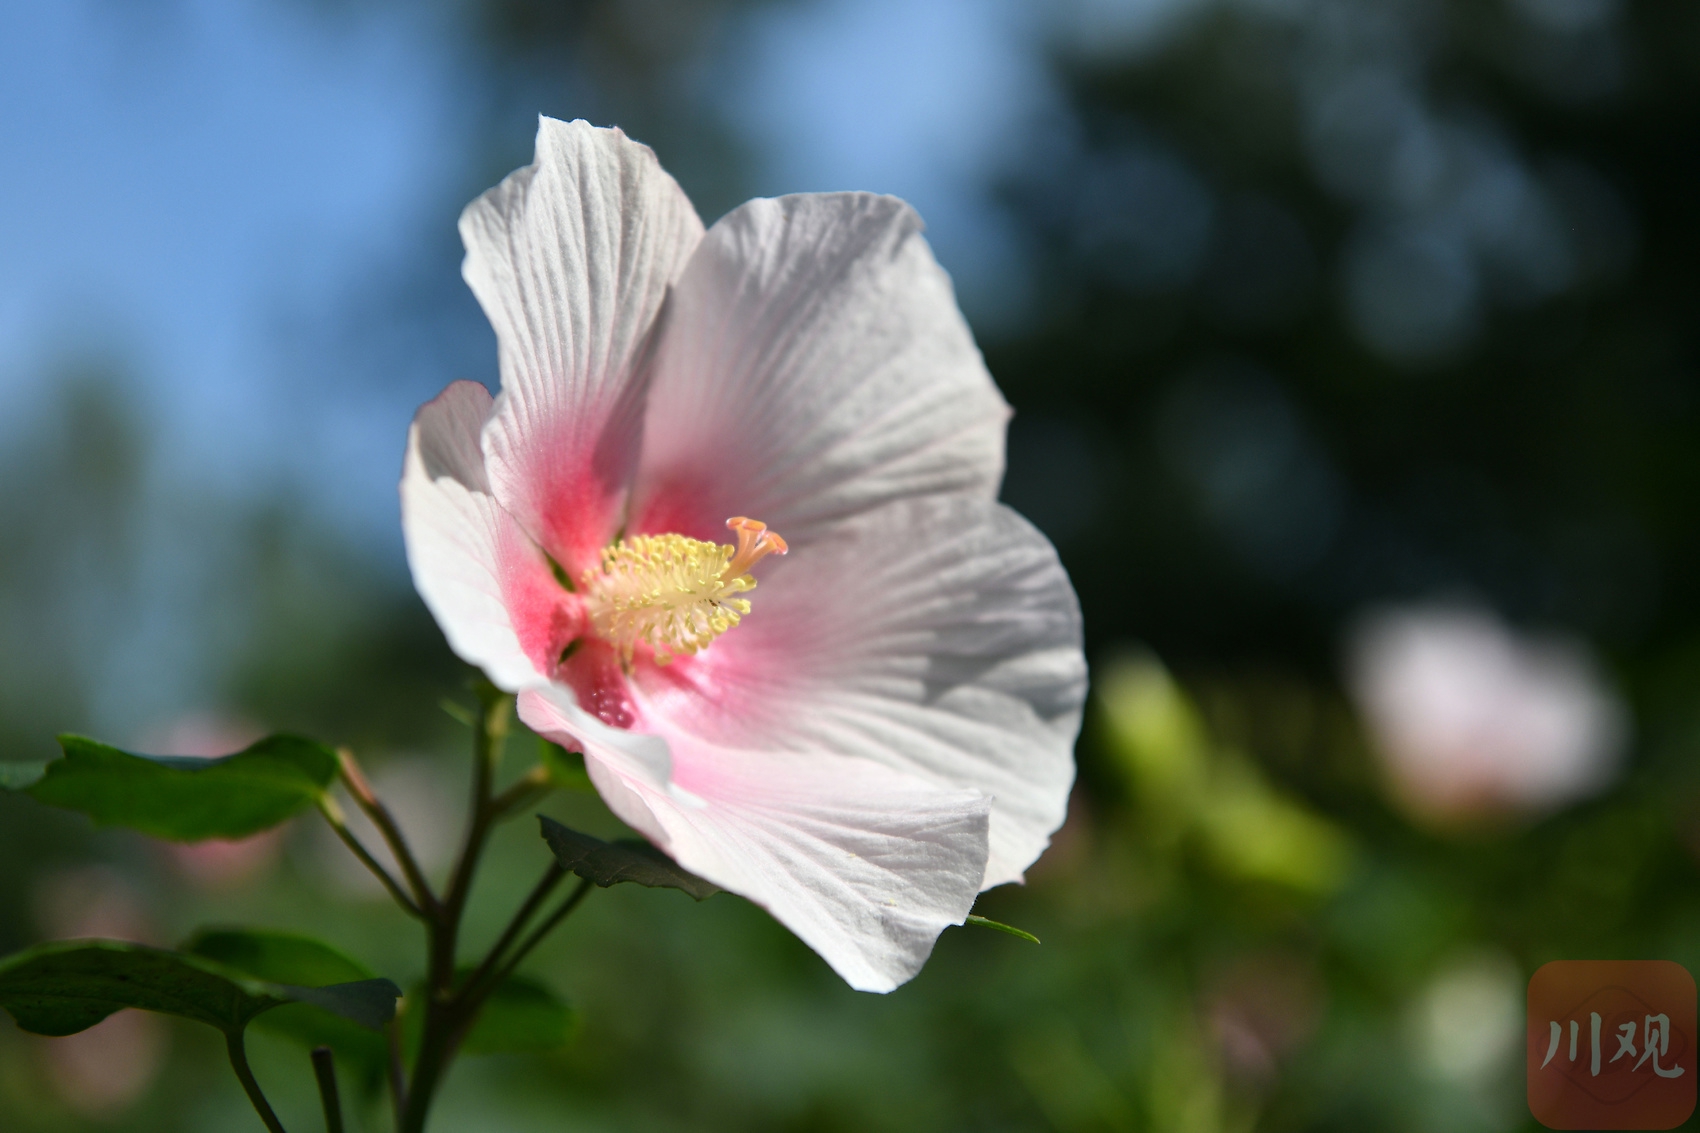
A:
<point x="674" y="593"/>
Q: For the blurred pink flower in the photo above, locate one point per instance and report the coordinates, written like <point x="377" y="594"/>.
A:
<point x="217" y="863"/>
<point x="100" y="1072"/>
<point x="104" y="1070"/>
<point x="1472" y="719"/>
<point x="887" y="728"/>
<point x="91" y="901"/>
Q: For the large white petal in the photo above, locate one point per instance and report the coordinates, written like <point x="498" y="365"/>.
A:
<point x="938" y="636"/>
<point x="865" y="864"/>
<point x="571" y="258"/>
<point x="488" y="586"/>
<point x="813" y="364"/>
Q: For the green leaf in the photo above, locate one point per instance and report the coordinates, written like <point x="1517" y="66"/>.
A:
<point x="361" y="1052"/>
<point x="281" y="957"/>
<point x="609" y="863"/>
<point x="18" y="776"/>
<point x="369" y="1003"/>
<point x="521" y="1016"/>
<point x="999" y="926"/>
<point x="291" y="959"/>
<point x="566" y="768"/>
<point x="188" y="800"/>
<point x="69" y="986"/>
<point x="66" y="987"/>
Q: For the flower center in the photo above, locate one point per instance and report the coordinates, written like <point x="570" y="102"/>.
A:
<point x="672" y="593"/>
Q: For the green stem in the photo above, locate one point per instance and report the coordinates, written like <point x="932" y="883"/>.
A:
<point x="542" y="930"/>
<point x="354" y="779"/>
<point x="533" y="786"/>
<point x="334" y="816"/>
<point x="475" y="991"/>
<point x="324" y="1069"/>
<point x="443" y="1007"/>
<point x="551" y="878"/>
<point x="245" y="1075"/>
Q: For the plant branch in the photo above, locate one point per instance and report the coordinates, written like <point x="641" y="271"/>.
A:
<point x="541" y="931"/>
<point x="492" y="732"/>
<point x="245" y="1075"/>
<point x="324" y="1069"/>
<point x="443" y="1006"/>
<point x="540" y="893"/>
<point x="348" y="770"/>
<point x="481" y="986"/>
<point x="534" y="785"/>
<point x="334" y="816"/>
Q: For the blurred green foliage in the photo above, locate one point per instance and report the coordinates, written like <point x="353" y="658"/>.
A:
<point x="1290" y="356"/>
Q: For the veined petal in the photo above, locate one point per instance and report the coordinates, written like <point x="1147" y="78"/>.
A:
<point x="865" y="864"/>
<point x="446" y="434"/>
<point x="813" y="364"/>
<point x="938" y="636"/>
<point x="485" y="582"/>
<point x="571" y="258"/>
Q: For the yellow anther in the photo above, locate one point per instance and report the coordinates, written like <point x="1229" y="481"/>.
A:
<point x="674" y="593"/>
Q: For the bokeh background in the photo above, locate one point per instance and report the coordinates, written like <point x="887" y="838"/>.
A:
<point x="1353" y="348"/>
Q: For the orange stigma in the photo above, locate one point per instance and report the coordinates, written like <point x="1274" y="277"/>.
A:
<point x="755" y="543"/>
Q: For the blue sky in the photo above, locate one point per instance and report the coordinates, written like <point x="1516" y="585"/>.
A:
<point x="230" y="199"/>
<point x="198" y="187"/>
<point x="180" y="179"/>
<point x="918" y="99"/>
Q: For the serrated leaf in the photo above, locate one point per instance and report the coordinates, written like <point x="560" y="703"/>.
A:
<point x="522" y="1016"/>
<point x="69" y="986"/>
<point x="999" y="926"/>
<point x="188" y="800"/>
<point x="610" y="863"/>
<point x="18" y="776"/>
